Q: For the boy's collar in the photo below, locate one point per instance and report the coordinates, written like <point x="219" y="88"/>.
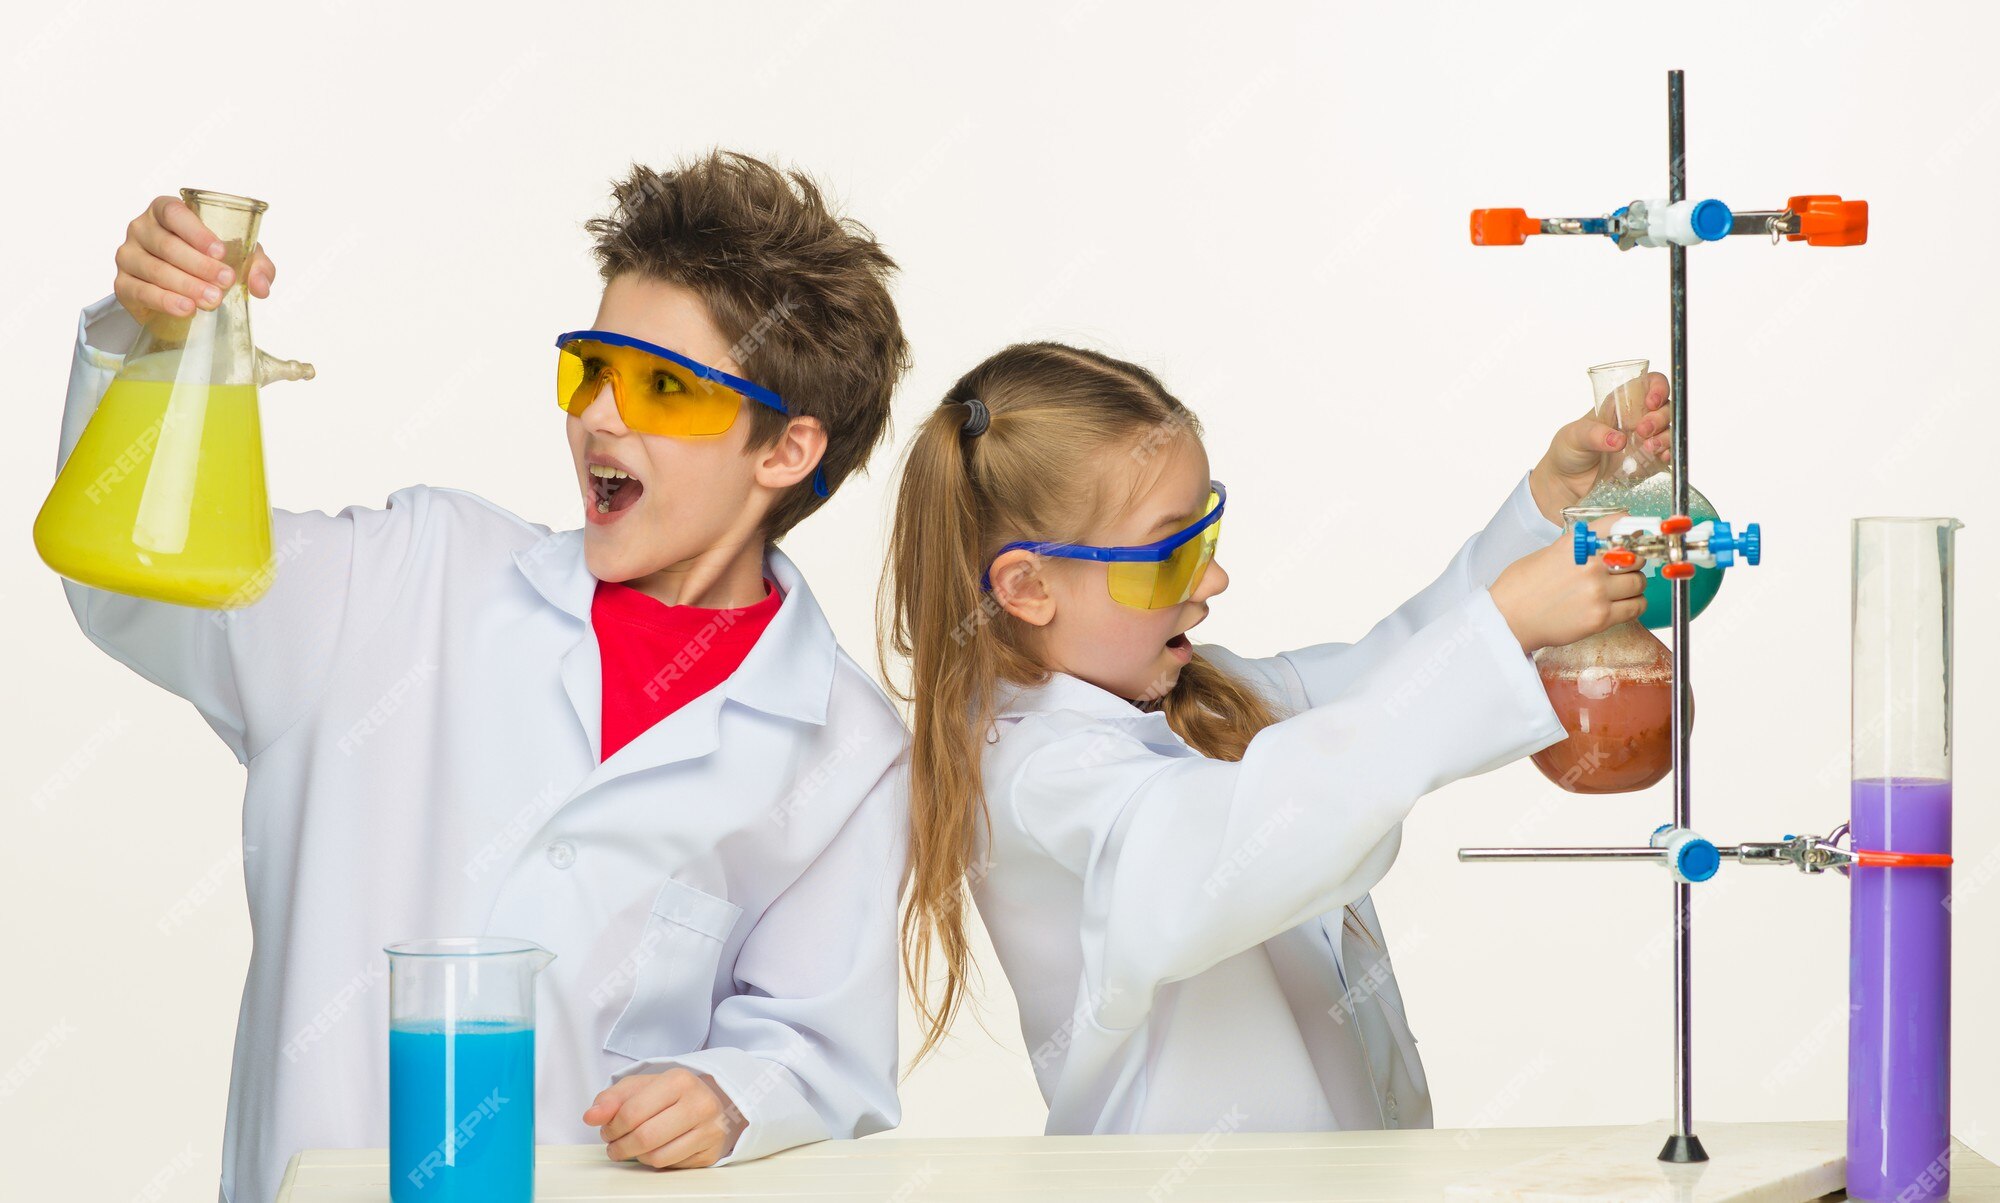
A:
<point x="788" y="673"/>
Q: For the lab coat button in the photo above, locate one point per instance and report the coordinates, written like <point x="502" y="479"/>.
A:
<point x="562" y="854"/>
<point x="1390" y="1104"/>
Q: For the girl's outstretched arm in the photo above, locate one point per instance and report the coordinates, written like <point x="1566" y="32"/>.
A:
<point x="1185" y="861"/>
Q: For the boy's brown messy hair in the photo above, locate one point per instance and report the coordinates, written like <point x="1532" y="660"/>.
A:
<point x="801" y="293"/>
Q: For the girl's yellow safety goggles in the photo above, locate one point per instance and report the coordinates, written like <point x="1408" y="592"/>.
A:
<point x="657" y="391"/>
<point x="1152" y="576"/>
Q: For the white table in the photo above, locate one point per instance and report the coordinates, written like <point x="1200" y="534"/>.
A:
<point x="1236" y="1168"/>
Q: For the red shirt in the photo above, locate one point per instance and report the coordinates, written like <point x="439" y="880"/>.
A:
<point x="658" y="658"/>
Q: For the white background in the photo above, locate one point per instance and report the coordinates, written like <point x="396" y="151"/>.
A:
<point x="1266" y="205"/>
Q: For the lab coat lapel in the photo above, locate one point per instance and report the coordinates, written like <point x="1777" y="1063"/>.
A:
<point x="788" y="673"/>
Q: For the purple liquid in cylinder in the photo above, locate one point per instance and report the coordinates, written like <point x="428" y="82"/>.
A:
<point x="1899" y="998"/>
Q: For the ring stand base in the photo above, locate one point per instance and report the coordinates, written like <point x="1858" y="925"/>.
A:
<point x="1752" y="1163"/>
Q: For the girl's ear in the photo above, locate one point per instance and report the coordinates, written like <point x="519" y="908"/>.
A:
<point x="794" y="456"/>
<point x="1019" y="588"/>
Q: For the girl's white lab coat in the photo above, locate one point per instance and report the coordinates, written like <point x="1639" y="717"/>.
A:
<point x="417" y="703"/>
<point x="1173" y="925"/>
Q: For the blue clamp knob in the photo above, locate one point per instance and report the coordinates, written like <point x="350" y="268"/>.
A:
<point x="1697" y="860"/>
<point x="1725" y="544"/>
<point x="1587" y="543"/>
<point x="1710" y="220"/>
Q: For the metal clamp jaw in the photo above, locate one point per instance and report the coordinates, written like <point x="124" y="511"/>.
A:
<point x="1811" y="854"/>
<point x="1678" y="544"/>
<point x="1814" y="219"/>
<point x="1688" y="858"/>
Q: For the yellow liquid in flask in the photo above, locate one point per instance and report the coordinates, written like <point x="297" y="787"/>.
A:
<point x="163" y="497"/>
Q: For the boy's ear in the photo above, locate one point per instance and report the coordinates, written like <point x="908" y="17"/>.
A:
<point x="1019" y="588"/>
<point x="794" y="456"/>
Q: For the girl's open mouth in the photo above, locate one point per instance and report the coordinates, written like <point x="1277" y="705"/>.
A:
<point x="1181" y="648"/>
<point x="612" y="491"/>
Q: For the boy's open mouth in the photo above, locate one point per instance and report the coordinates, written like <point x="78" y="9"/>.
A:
<point x="612" y="489"/>
<point x="1179" y="641"/>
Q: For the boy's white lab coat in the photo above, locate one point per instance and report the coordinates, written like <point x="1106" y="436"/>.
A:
<point x="417" y="703"/>
<point x="1174" y="926"/>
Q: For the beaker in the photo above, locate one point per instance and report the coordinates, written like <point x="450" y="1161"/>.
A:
<point x="1618" y="395"/>
<point x="1899" y="962"/>
<point x="1638" y="482"/>
<point x="163" y="494"/>
<point x="462" y="1069"/>
<point x="1614" y="693"/>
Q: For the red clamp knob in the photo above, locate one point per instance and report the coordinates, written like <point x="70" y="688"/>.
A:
<point x="1619" y="557"/>
<point x="1503" y="227"/>
<point x="1829" y="220"/>
<point x="1679" y="524"/>
<point x="1677" y="570"/>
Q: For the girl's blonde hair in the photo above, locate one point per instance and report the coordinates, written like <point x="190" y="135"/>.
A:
<point x="1037" y="472"/>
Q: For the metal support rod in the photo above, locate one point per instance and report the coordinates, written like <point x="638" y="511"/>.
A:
<point x="1683" y="1145"/>
<point x="1632" y="853"/>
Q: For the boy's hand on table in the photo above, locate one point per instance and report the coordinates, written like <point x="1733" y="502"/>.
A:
<point x="677" y="1120"/>
<point x="171" y="263"/>
<point x="1568" y="471"/>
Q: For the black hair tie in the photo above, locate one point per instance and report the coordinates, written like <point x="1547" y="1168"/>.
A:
<point x="977" y="419"/>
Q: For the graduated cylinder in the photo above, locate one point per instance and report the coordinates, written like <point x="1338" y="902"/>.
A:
<point x="1899" y="967"/>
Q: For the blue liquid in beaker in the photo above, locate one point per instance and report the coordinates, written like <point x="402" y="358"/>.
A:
<point x="462" y="1113"/>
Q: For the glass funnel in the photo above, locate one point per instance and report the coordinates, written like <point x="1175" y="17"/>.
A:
<point x="1613" y="692"/>
<point x="163" y="495"/>
<point x="462" y="1069"/>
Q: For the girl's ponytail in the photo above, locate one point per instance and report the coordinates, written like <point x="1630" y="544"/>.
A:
<point x="936" y="610"/>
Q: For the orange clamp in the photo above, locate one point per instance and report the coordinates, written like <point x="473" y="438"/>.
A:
<point x="1677" y="570"/>
<point x="1679" y="524"/>
<point x="1503" y="227"/>
<point x="1829" y="220"/>
<point x="1619" y="557"/>
<point x="1901" y="860"/>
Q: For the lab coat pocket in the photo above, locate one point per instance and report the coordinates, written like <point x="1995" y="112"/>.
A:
<point x="673" y="990"/>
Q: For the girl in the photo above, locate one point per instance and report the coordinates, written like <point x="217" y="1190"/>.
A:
<point x="1172" y="848"/>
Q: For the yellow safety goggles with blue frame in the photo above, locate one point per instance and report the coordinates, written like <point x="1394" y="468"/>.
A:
<point x="1152" y="576"/>
<point x="657" y="391"/>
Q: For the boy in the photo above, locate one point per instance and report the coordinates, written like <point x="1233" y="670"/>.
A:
<point x="636" y="744"/>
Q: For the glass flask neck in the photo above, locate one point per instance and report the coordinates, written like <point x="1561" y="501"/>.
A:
<point x="233" y="220"/>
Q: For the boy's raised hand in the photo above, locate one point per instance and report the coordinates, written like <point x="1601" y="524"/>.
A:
<point x="1548" y="599"/>
<point x="677" y="1120"/>
<point x="1568" y="470"/>
<point x="171" y="263"/>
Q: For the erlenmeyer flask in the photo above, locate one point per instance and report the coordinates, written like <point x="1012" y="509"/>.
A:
<point x="1636" y="481"/>
<point x="163" y="494"/>
<point x="462" y="1069"/>
<point x="1613" y="692"/>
